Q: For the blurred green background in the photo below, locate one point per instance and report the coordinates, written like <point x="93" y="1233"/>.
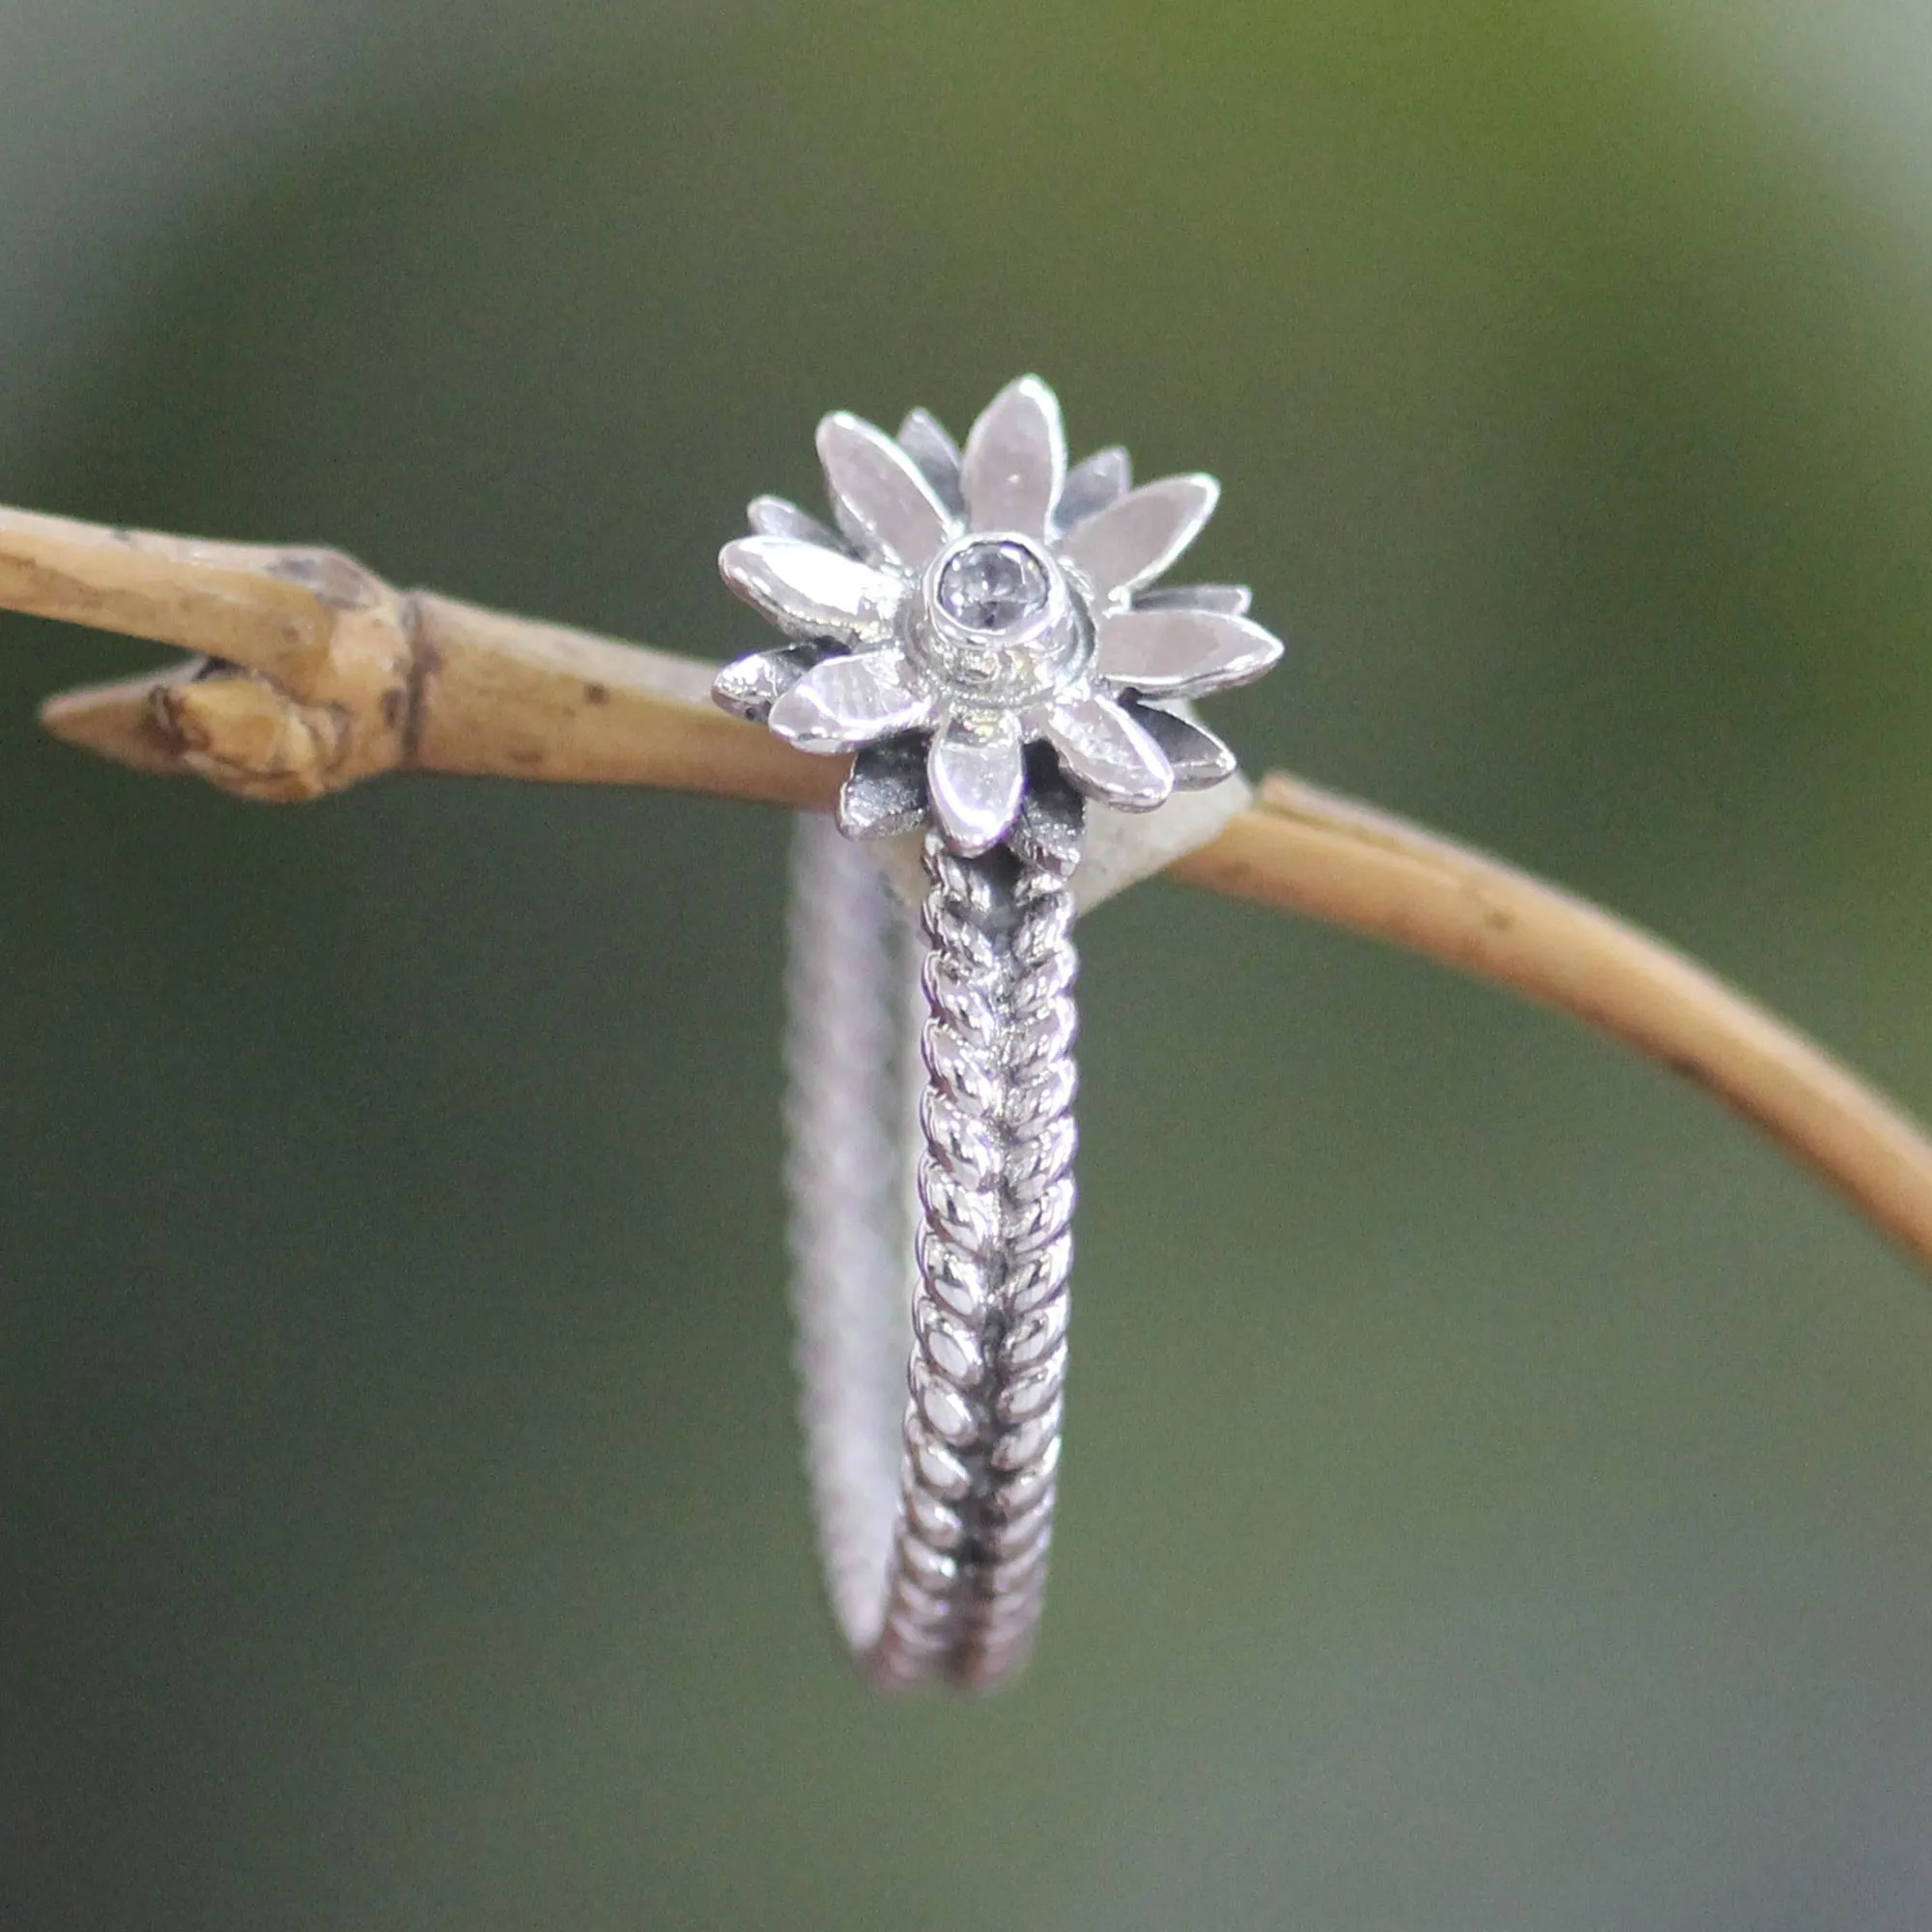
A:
<point x="1500" y="1487"/>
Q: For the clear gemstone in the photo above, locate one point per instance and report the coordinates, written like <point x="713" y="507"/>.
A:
<point x="993" y="586"/>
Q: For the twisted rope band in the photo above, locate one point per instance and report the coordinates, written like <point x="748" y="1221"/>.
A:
<point x="934" y="1498"/>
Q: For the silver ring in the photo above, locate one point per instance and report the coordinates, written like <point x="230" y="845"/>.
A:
<point x="981" y="632"/>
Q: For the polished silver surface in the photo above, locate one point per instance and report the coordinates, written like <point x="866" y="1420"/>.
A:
<point x="1065" y="667"/>
<point x="980" y="632"/>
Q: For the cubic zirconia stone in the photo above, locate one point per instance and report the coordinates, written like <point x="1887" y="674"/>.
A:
<point x="993" y="586"/>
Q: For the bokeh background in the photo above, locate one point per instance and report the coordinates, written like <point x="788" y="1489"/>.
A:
<point x="1500" y="1487"/>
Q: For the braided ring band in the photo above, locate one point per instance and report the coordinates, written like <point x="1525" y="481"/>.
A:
<point x="934" y="1486"/>
<point x="983" y="633"/>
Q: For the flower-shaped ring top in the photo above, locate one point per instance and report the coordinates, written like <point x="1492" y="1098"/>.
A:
<point x="974" y="604"/>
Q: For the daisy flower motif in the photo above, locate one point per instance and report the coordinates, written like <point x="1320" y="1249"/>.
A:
<point x="983" y="623"/>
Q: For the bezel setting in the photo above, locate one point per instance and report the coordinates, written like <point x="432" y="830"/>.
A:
<point x="1011" y="664"/>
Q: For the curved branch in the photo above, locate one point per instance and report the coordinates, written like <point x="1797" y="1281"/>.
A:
<point x="315" y="674"/>
<point x="1351" y="866"/>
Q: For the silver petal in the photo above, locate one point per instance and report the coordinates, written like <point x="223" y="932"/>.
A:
<point x="1048" y="833"/>
<point x="885" y="791"/>
<point x="846" y="702"/>
<point x="749" y="687"/>
<point x="1131" y="542"/>
<point x="882" y="501"/>
<point x="977" y="777"/>
<point x="1181" y="653"/>
<point x="811" y="591"/>
<point x="1231" y="600"/>
<point x="1108" y="755"/>
<point x="774" y="517"/>
<point x="925" y="439"/>
<point x="1197" y="757"/>
<point x="1016" y="460"/>
<point x="1090" y="485"/>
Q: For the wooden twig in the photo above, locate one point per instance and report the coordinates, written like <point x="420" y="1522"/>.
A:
<point x="313" y="674"/>
<point x="1347" y="864"/>
<point x="327" y="677"/>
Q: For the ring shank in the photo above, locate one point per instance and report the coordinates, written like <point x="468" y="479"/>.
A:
<point x="932" y="1326"/>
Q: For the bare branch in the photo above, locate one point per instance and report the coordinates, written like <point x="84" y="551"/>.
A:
<point x="319" y="675"/>
<point x="316" y="674"/>
<point x="1351" y="866"/>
